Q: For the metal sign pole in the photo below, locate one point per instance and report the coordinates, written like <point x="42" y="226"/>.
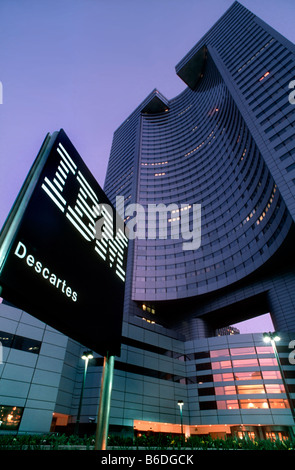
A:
<point x="102" y="426"/>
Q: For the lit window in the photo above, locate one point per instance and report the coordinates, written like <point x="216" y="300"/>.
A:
<point x="253" y="404"/>
<point x="219" y="352"/>
<point x="148" y="321"/>
<point x="264" y="349"/>
<point x="154" y="163"/>
<point x="268" y="361"/>
<point x="174" y="219"/>
<point x="263" y="76"/>
<point x="223" y="377"/>
<point x="250" y="389"/>
<point x="10" y="417"/>
<point x="274" y="388"/>
<point x="245" y="363"/>
<point x="279" y="403"/>
<point x="226" y="390"/>
<point x="227" y="404"/>
<point x="271" y="374"/>
<point x="255" y="55"/>
<point x="242" y="351"/>
<point x="256" y="375"/>
<point x="221" y="365"/>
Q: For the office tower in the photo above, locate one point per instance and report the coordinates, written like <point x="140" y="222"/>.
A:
<point x="226" y="142"/>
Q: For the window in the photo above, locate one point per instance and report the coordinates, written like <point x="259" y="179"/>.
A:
<point x="273" y="436"/>
<point x="20" y="342"/>
<point x="148" y="309"/>
<point x="247" y="375"/>
<point x="268" y="361"/>
<point x="208" y="405"/>
<point x="271" y="374"/>
<point x="250" y="389"/>
<point x="263" y="76"/>
<point x="219" y="352"/>
<point x="202" y="355"/>
<point x="242" y="351"/>
<point x="226" y="390"/>
<point x="6" y="339"/>
<point x="206" y="391"/>
<point x="204" y="378"/>
<point x="221" y="365"/>
<point x="203" y="366"/>
<point x="275" y="388"/>
<point x="223" y="377"/>
<point x="227" y="405"/>
<point x="10" y="417"/>
<point x="253" y="404"/>
<point x="264" y="350"/>
<point x="279" y="403"/>
<point x="245" y="363"/>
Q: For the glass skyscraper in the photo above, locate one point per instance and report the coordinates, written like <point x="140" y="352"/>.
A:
<point x="226" y="144"/>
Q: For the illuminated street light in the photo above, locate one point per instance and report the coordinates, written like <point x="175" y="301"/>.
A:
<point x="273" y="338"/>
<point x="87" y="355"/>
<point x="180" y="404"/>
<point x="270" y="337"/>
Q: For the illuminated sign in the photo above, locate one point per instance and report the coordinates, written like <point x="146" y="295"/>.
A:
<point x="63" y="250"/>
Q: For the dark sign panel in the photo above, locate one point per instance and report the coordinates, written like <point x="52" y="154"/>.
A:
<point x="63" y="250"/>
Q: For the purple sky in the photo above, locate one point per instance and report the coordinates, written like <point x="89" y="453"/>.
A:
<point x="85" y="65"/>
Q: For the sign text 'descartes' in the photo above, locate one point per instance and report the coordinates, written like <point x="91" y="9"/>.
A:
<point x="53" y="263"/>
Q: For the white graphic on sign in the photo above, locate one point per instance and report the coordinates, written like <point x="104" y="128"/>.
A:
<point x="93" y="220"/>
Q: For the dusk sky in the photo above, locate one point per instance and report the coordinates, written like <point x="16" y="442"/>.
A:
<point x="85" y="65"/>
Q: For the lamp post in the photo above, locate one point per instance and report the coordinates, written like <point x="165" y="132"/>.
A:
<point x="87" y="355"/>
<point x="273" y="338"/>
<point x="180" y="404"/>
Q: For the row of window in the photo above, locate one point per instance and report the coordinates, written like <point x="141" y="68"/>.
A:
<point x="143" y="371"/>
<point x="269" y="71"/>
<point x="254" y="56"/>
<point x="248" y="404"/>
<point x="234" y="352"/>
<point x="252" y="45"/>
<point x="221" y="148"/>
<point x="264" y="211"/>
<point x="207" y="273"/>
<point x="242" y="389"/>
<point x="21" y="343"/>
<point x="238" y="376"/>
<point x="228" y="364"/>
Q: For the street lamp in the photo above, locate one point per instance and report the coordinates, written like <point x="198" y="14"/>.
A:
<point x="87" y="355"/>
<point x="273" y="338"/>
<point x="270" y="337"/>
<point x="180" y="404"/>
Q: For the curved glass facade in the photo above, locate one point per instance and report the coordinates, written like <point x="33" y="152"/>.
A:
<point x="225" y="143"/>
<point x="200" y="151"/>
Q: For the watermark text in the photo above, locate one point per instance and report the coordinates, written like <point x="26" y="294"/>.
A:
<point x="292" y="93"/>
<point x="154" y="221"/>
<point x="292" y="353"/>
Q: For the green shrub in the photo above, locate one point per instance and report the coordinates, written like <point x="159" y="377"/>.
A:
<point x="157" y="441"/>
